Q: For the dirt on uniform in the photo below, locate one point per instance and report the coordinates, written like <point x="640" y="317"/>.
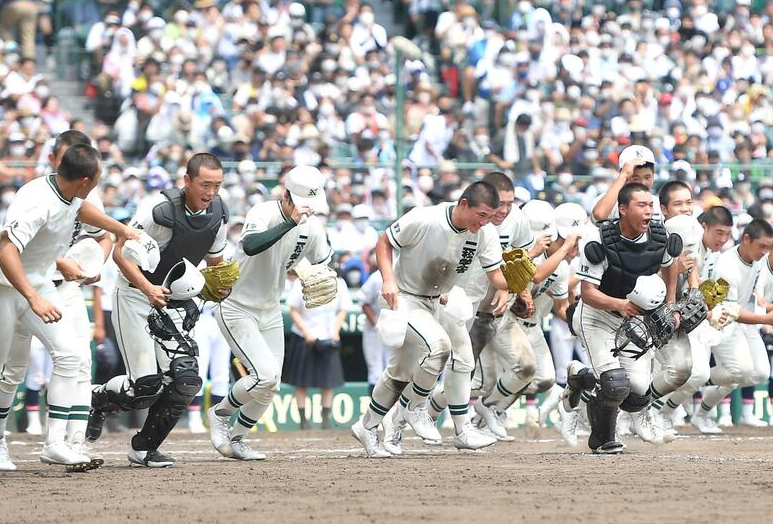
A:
<point x="322" y="476"/>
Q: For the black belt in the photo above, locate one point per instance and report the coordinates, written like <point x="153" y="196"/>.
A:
<point x="433" y="297"/>
<point x="488" y="316"/>
<point x="57" y="283"/>
<point x="528" y="324"/>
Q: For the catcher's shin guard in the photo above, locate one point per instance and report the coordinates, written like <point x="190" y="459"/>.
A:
<point x="614" y="387"/>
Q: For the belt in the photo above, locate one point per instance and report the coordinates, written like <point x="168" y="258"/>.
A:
<point x="488" y="316"/>
<point x="432" y="297"/>
<point x="528" y="324"/>
<point x="57" y="283"/>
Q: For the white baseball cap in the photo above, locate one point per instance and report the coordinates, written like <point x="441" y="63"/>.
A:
<point x="307" y="186"/>
<point x="689" y="229"/>
<point x="521" y="194"/>
<point x="89" y="256"/>
<point x="143" y="252"/>
<point x="570" y="218"/>
<point x="541" y="217"/>
<point x="631" y="152"/>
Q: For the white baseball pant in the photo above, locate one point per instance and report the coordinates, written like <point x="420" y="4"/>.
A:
<point x="545" y="373"/>
<point x="563" y="346"/>
<point x="376" y="354"/>
<point x="214" y="355"/>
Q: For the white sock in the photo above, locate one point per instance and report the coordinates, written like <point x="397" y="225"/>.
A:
<point x="79" y="412"/>
<point x="61" y="394"/>
<point x="747" y="410"/>
<point x="552" y="400"/>
<point x="724" y="409"/>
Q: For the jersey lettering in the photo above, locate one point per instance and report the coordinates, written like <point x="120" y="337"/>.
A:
<point x="468" y="253"/>
<point x="299" y="246"/>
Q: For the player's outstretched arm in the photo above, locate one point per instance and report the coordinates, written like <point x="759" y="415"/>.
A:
<point x="559" y="308"/>
<point x="90" y="214"/>
<point x="10" y="263"/>
<point x="547" y="268"/>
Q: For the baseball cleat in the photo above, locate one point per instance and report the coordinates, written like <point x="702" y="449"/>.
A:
<point x="567" y="425"/>
<point x="150" y="459"/>
<point x="752" y="422"/>
<point x="644" y="427"/>
<point x="421" y="422"/>
<point x="80" y="446"/>
<point x="667" y="423"/>
<point x="60" y="453"/>
<point x="240" y="450"/>
<point x="704" y="423"/>
<point x="472" y="438"/>
<point x="370" y="441"/>
<point x="5" y="459"/>
<point x="219" y="432"/>
<point x="571" y="396"/>
<point x="612" y="447"/>
<point x="393" y="432"/>
<point x="492" y="420"/>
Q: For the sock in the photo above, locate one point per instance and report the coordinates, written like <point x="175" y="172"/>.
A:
<point x="747" y="410"/>
<point x="499" y="397"/>
<point x="457" y="392"/>
<point x="384" y="396"/>
<point x="237" y="397"/>
<point x="3" y="420"/>
<point x="60" y="399"/>
<point x="79" y="413"/>
<point x="531" y="406"/>
<point x="437" y="404"/>
<point x="420" y="387"/>
<point x="325" y="417"/>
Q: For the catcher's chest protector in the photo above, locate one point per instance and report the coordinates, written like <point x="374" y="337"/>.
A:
<point x="192" y="235"/>
<point x="629" y="260"/>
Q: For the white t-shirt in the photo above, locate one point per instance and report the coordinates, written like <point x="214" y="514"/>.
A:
<point x="514" y="231"/>
<point x="434" y="254"/>
<point x="370" y="293"/>
<point x="742" y="277"/>
<point x="320" y="320"/>
<point x="143" y="219"/>
<point x="593" y="273"/>
<point x="40" y="223"/>
<point x="262" y="279"/>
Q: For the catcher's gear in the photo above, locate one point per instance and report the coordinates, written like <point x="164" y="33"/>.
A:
<point x="319" y="283"/>
<point x="714" y="291"/>
<point x="693" y="310"/>
<point x="518" y="269"/>
<point x="732" y="310"/>
<point x="639" y="334"/>
<point x="649" y="292"/>
<point x="163" y="329"/>
<point x="184" y="281"/>
<point x="222" y="276"/>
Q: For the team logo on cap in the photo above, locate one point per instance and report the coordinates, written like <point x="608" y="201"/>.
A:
<point x="575" y="223"/>
<point x="312" y="192"/>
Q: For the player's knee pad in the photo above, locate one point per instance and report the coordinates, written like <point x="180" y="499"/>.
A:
<point x="635" y="402"/>
<point x="140" y="394"/>
<point x="186" y="381"/>
<point x="584" y="380"/>
<point x="614" y="387"/>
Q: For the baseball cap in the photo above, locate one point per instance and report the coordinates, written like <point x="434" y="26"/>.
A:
<point x="307" y="186"/>
<point x="541" y="217"/>
<point x="522" y="194"/>
<point x="361" y="211"/>
<point x="570" y="218"/>
<point x="631" y="152"/>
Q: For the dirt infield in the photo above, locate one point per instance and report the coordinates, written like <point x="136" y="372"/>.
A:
<point x="321" y="476"/>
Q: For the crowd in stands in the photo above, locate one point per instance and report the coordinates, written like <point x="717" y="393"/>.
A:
<point x="547" y="91"/>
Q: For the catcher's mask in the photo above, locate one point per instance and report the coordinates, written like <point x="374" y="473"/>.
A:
<point x="163" y="329"/>
<point x="639" y="334"/>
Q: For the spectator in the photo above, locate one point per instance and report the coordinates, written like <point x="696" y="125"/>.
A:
<point x="20" y="16"/>
<point x="313" y="358"/>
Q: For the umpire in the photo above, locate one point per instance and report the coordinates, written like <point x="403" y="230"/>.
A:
<point x="185" y="223"/>
<point x="615" y="256"/>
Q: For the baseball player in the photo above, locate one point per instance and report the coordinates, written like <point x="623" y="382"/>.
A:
<point x="375" y="352"/>
<point x="612" y="261"/>
<point x="637" y="165"/>
<point x="741" y="357"/>
<point x="514" y="232"/>
<point x="190" y="224"/>
<point x="437" y="245"/>
<point x="717" y="226"/>
<point x="278" y="236"/>
<point x="39" y="227"/>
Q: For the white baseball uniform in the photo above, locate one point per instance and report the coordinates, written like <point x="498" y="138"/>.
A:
<point x="251" y="319"/>
<point x="741" y="357"/>
<point x="214" y="353"/>
<point x="596" y="328"/>
<point x="563" y="344"/>
<point x="433" y="255"/>
<point x="40" y="223"/>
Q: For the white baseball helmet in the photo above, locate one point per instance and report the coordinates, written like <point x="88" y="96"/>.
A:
<point x="649" y="292"/>
<point x="143" y="252"/>
<point x="89" y="256"/>
<point x="184" y="281"/>
<point x="689" y="229"/>
<point x="631" y="152"/>
<point x="541" y="217"/>
<point x="570" y="218"/>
